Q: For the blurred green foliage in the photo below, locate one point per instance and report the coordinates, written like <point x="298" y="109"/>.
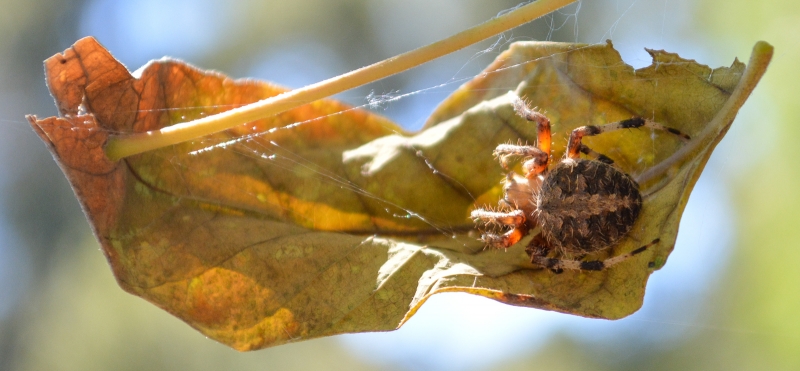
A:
<point x="71" y="314"/>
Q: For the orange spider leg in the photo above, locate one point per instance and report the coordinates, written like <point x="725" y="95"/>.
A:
<point x="505" y="240"/>
<point x="538" y="158"/>
<point x="515" y="219"/>
<point x="543" y="136"/>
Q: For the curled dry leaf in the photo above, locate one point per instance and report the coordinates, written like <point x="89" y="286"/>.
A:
<point x="327" y="219"/>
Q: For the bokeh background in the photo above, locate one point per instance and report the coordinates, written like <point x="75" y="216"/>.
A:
<point x="728" y="298"/>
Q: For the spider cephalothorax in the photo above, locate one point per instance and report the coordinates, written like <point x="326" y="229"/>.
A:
<point x="581" y="205"/>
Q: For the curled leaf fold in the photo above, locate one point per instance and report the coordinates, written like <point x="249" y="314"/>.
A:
<point x="328" y="219"/>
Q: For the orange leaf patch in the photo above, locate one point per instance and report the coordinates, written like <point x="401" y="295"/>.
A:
<point x="327" y="219"/>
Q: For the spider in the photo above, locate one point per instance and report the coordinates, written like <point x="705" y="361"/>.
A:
<point x="581" y="205"/>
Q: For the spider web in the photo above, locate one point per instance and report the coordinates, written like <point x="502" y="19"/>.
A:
<point x="410" y="98"/>
<point x="409" y="108"/>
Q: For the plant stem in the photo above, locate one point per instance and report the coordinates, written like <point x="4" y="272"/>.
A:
<point x="120" y="146"/>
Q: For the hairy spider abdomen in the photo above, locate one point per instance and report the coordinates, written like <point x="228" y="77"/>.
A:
<point x="585" y="205"/>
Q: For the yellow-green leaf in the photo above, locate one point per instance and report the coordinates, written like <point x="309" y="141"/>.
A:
<point x="327" y="219"/>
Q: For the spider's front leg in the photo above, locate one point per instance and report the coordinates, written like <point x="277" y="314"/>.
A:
<point x="518" y="191"/>
<point x="536" y="158"/>
<point x="514" y="219"/>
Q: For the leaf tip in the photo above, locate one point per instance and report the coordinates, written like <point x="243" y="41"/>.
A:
<point x="762" y="54"/>
<point x="763" y="47"/>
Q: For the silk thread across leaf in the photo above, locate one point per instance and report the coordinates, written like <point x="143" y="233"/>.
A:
<point x="328" y="219"/>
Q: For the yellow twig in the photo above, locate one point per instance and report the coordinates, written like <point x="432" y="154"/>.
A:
<point x="120" y="146"/>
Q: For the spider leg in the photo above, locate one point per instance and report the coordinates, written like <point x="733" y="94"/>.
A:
<point x="543" y="136"/>
<point x="575" y="147"/>
<point x="515" y="219"/>
<point x="591" y="265"/>
<point x="505" y="240"/>
<point x="538" y="163"/>
<point x="511" y="218"/>
<point x="538" y="249"/>
<point x="596" y="155"/>
<point x="537" y="159"/>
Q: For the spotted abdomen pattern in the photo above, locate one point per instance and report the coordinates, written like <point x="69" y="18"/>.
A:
<point x="586" y="205"/>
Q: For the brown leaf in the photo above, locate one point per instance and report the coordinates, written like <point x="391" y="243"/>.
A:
<point x="327" y="219"/>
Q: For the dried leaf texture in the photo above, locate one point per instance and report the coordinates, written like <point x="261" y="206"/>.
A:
<point x="327" y="219"/>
